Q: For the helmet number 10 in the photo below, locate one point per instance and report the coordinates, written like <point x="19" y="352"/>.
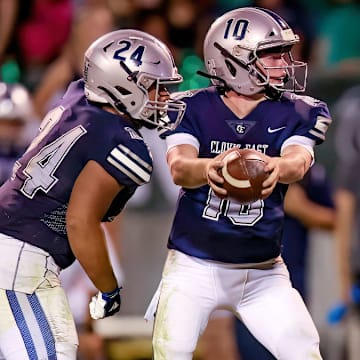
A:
<point x="238" y="29"/>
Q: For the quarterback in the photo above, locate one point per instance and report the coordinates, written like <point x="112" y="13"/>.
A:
<point x="224" y="255"/>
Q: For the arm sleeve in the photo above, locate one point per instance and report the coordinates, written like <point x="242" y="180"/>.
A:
<point x="182" y="139"/>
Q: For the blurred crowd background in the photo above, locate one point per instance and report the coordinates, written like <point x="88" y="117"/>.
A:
<point x="42" y="43"/>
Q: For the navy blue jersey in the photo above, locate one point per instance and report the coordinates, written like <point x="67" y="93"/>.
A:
<point x="206" y="226"/>
<point x="33" y="202"/>
<point x="8" y="156"/>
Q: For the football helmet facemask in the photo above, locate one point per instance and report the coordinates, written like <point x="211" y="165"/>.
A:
<point x="235" y="43"/>
<point x="121" y="68"/>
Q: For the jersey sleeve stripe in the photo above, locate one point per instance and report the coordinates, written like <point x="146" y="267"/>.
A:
<point x="320" y="127"/>
<point x="131" y="154"/>
<point x="132" y="161"/>
<point x="130" y="167"/>
<point x="125" y="171"/>
<point x="317" y="134"/>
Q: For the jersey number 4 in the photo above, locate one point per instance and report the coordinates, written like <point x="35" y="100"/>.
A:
<point x="40" y="169"/>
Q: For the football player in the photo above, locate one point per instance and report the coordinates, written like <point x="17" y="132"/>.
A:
<point x="224" y="255"/>
<point x="17" y="125"/>
<point x="79" y="171"/>
<point x="347" y="227"/>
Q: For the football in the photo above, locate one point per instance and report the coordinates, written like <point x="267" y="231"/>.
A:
<point x="243" y="174"/>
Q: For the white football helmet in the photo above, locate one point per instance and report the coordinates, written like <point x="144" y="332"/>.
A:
<point x="233" y="47"/>
<point x="18" y="122"/>
<point x="15" y="103"/>
<point x="122" y="66"/>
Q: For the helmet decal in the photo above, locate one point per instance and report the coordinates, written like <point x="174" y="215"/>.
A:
<point x="277" y="18"/>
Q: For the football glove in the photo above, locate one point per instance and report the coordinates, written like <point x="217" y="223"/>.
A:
<point x="338" y="312"/>
<point x="105" y="304"/>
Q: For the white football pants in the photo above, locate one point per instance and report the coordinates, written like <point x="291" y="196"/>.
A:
<point x="191" y="289"/>
<point x="35" y="318"/>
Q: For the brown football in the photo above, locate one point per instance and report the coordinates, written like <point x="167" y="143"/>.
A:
<point x="243" y="174"/>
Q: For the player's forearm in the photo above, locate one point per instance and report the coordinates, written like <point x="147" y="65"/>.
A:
<point x="345" y="207"/>
<point x="293" y="165"/>
<point x="189" y="173"/>
<point x="319" y="217"/>
<point x="89" y="246"/>
<point x="310" y="213"/>
<point x="343" y="259"/>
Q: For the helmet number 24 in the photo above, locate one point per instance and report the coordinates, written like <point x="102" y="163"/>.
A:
<point x="136" y="55"/>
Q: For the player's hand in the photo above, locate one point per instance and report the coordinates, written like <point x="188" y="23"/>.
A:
<point x="105" y="304"/>
<point x="337" y="313"/>
<point x="272" y="167"/>
<point x="214" y="178"/>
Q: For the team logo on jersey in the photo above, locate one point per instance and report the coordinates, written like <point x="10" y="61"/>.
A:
<point x="274" y="130"/>
<point x="133" y="134"/>
<point x="240" y="127"/>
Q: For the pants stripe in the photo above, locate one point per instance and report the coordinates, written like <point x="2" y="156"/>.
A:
<point x="21" y="324"/>
<point x="28" y="313"/>
<point x="44" y="326"/>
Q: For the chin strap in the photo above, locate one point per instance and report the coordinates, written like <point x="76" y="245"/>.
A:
<point x="117" y="103"/>
<point x="272" y="94"/>
<point x="226" y="54"/>
<point x="224" y="87"/>
<point x="132" y="75"/>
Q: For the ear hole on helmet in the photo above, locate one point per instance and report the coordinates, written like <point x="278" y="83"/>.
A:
<point x="116" y="102"/>
<point x="122" y="90"/>
<point x="230" y="67"/>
